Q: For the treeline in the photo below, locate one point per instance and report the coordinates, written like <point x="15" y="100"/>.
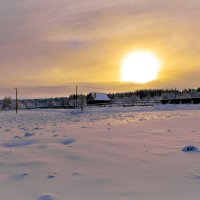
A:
<point x="153" y="95"/>
<point x="60" y="102"/>
<point x="148" y="95"/>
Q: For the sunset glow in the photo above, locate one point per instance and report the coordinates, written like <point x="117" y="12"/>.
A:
<point x="85" y="42"/>
<point x="140" y="67"/>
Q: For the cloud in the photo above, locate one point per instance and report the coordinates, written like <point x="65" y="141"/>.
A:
<point x="57" y="42"/>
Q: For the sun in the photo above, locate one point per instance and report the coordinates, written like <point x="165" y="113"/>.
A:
<point x="140" y="67"/>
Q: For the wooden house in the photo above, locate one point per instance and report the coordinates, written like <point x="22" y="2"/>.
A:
<point x="98" y="98"/>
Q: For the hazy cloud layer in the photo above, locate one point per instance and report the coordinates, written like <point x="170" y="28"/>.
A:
<point x="59" y="42"/>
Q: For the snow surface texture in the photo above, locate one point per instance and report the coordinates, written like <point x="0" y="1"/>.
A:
<point x="101" y="153"/>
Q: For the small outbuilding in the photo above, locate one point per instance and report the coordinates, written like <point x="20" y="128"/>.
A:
<point x="98" y="98"/>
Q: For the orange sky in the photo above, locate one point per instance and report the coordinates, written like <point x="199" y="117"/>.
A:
<point x="67" y="42"/>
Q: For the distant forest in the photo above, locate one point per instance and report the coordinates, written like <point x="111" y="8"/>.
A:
<point x="147" y="95"/>
<point x="154" y="95"/>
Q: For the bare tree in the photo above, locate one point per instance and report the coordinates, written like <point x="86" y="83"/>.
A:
<point x="82" y="101"/>
<point x="7" y="103"/>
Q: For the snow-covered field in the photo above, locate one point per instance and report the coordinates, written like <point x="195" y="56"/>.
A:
<point x="100" y="154"/>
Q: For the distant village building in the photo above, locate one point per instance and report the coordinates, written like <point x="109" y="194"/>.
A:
<point x="98" y="98"/>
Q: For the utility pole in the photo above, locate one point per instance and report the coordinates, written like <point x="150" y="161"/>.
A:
<point x="76" y="97"/>
<point x="16" y="106"/>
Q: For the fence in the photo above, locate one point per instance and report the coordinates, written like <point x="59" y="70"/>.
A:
<point x="46" y="97"/>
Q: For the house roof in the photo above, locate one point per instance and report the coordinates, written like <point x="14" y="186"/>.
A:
<point x="100" y="96"/>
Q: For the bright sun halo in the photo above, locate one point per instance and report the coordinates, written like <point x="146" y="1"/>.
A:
<point x="140" y="67"/>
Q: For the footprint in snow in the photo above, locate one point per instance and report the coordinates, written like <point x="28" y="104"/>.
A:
<point x="18" y="143"/>
<point x="37" y="128"/>
<point x="84" y="127"/>
<point x="46" y="197"/>
<point x="190" y="148"/>
<point x="28" y="134"/>
<point x="75" y="173"/>
<point x="197" y="177"/>
<point x="19" y="177"/>
<point x="52" y="176"/>
<point x="55" y="135"/>
<point x="17" y="137"/>
<point x="68" y="141"/>
<point x="23" y="128"/>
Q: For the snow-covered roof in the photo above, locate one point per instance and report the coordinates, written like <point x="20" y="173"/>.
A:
<point x="100" y="96"/>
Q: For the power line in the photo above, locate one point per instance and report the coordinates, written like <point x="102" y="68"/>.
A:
<point x="45" y="87"/>
<point x="6" y="89"/>
<point x="54" y="87"/>
<point x="39" y="87"/>
<point x="81" y="86"/>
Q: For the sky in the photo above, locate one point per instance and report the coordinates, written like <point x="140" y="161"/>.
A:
<point x="83" y="42"/>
